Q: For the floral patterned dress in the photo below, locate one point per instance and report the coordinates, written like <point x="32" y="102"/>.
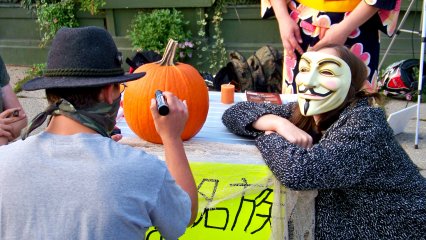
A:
<point x="364" y="41"/>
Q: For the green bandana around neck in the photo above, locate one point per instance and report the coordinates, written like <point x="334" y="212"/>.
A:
<point x="99" y="117"/>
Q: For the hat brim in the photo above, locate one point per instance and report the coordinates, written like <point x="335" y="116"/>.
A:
<point x="73" y="82"/>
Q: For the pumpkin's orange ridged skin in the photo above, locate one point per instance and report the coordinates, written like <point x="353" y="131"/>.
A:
<point x="182" y="80"/>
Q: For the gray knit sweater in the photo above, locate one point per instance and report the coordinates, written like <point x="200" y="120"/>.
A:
<point x="368" y="187"/>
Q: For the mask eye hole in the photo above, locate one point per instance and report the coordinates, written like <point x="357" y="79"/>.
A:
<point x="304" y="69"/>
<point x="327" y="73"/>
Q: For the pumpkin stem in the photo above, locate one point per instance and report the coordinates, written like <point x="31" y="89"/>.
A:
<point x="169" y="54"/>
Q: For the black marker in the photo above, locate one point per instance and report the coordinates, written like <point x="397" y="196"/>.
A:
<point x="162" y="106"/>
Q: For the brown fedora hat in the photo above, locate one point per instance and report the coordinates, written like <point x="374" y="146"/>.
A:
<point x="81" y="57"/>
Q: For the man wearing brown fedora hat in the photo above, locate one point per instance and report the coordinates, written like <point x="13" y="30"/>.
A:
<point x="72" y="181"/>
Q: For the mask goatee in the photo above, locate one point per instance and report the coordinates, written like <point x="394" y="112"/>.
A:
<point x="306" y="106"/>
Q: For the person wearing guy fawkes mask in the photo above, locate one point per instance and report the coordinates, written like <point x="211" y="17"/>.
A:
<point x="72" y="181"/>
<point x="363" y="184"/>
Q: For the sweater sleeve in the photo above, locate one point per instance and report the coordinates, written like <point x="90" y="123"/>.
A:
<point x="344" y="155"/>
<point x="239" y="117"/>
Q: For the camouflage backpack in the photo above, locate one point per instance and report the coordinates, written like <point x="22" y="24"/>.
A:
<point x="261" y="72"/>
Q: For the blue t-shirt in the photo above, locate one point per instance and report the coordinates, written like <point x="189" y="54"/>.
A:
<point x="86" y="186"/>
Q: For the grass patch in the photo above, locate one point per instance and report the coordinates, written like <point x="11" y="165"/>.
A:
<point x="35" y="71"/>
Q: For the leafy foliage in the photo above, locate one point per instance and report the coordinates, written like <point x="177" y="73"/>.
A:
<point x="213" y="53"/>
<point x="91" y="6"/>
<point x="28" y="4"/>
<point x="54" y="14"/>
<point x="152" y="31"/>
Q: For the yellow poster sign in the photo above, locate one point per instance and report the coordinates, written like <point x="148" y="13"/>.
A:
<point x="235" y="202"/>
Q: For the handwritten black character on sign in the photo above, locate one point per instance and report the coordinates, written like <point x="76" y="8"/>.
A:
<point x="207" y="188"/>
<point x="221" y="215"/>
<point x="154" y="234"/>
<point x="256" y="204"/>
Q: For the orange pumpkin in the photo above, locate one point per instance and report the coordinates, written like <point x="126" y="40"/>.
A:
<point x="181" y="79"/>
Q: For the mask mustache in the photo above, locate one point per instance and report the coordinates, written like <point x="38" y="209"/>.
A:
<point x="312" y="91"/>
